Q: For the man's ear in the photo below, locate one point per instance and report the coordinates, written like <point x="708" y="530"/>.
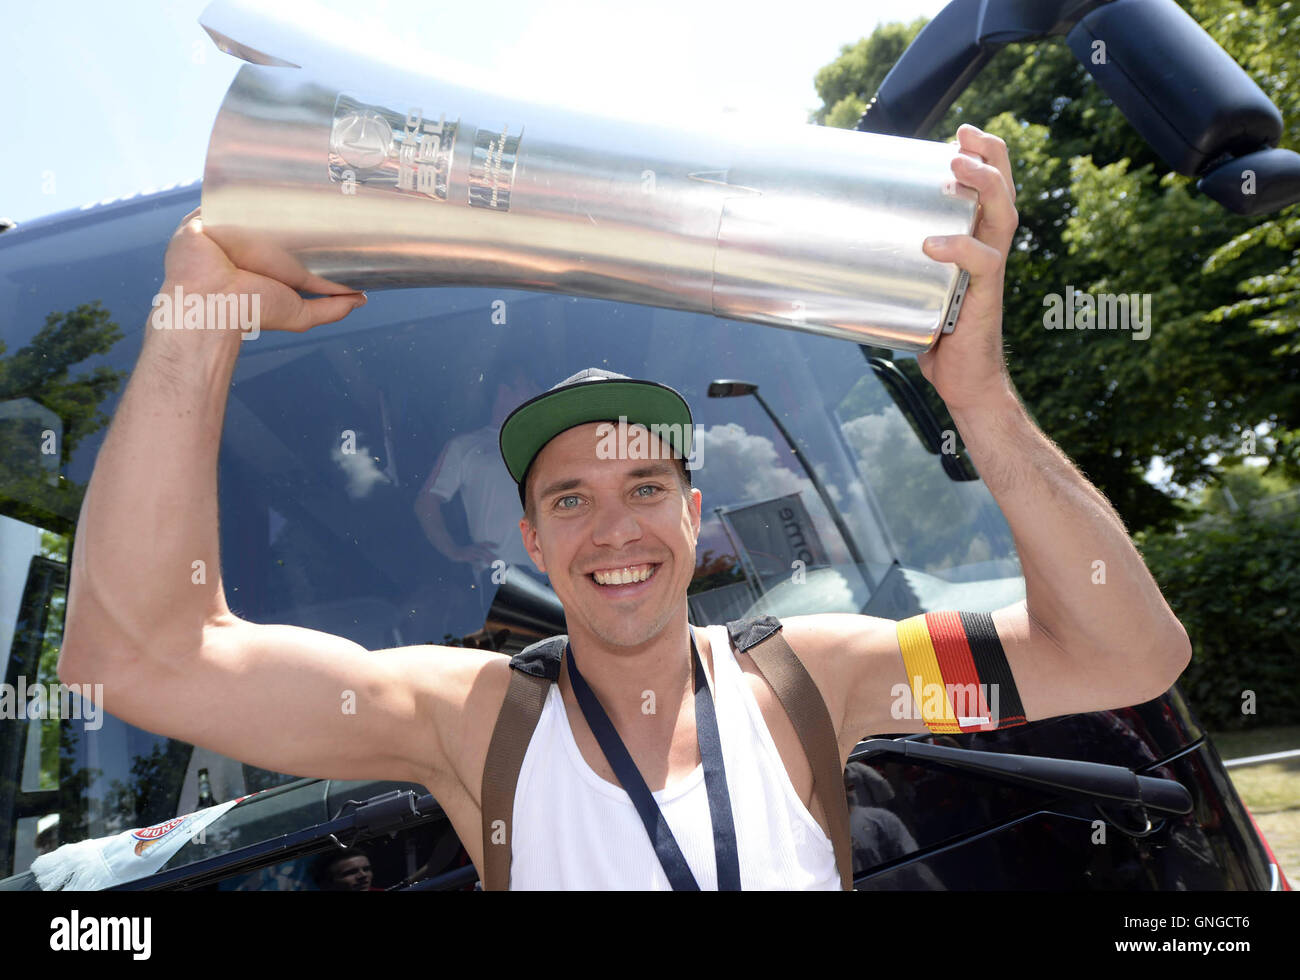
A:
<point x="529" y="534"/>
<point x="696" y="508"/>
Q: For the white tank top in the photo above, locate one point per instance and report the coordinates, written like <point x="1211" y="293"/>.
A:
<point x="574" y="830"/>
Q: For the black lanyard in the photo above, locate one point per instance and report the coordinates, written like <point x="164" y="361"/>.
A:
<point x="715" y="781"/>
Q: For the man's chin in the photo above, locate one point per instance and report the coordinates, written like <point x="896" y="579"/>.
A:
<point x="629" y="630"/>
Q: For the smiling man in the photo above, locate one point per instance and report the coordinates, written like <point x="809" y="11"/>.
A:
<point x="616" y="534"/>
<point x="662" y="756"/>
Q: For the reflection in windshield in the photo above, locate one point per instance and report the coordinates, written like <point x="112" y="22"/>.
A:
<point x="51" y="402"/>
<point x="46" y="410"/>
<point x="940" y="524"/>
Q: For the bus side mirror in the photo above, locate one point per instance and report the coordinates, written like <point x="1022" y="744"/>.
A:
<point x="1187" y="97"/>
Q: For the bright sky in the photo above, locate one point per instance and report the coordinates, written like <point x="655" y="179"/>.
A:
<point x="109" y="99"/>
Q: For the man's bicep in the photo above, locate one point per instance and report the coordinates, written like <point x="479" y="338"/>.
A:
<point x="944" y="672"/>
<point x="1054" y="682"/>
<point x="963" y="669"/>
<point x="950" y="672"/>
<point x="308" y="703"/>
<point x="976" y="672"/>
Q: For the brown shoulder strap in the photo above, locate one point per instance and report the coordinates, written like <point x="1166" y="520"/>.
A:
<point x="798" y="694"/>
<point x="532" y="672"/>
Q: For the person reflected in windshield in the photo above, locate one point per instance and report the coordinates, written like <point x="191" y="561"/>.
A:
<point x="470" y="465"/>
<point x="345" y="870"/>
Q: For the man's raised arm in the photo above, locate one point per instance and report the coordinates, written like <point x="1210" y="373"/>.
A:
<point x="147" y="615"/>
<point x="1093" y="631"/>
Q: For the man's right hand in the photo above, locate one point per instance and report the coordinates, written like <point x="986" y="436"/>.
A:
<point x="198" y="264"/>
<point x="147" y="614"/>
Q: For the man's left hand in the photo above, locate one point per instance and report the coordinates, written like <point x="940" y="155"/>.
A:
<point x="967" y="367"/>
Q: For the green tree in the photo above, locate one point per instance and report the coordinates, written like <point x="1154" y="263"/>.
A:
<point x="1244" y="487"/>
<point x="1233" y="582"/>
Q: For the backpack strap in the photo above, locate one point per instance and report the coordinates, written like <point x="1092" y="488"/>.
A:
<point x="533" y="670"/>
<point x="796" y="690"/>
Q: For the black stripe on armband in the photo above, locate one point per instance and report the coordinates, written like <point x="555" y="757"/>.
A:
<point x="992" y="667"/>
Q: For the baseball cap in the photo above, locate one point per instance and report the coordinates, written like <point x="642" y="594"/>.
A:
<point x="592" y="395"/>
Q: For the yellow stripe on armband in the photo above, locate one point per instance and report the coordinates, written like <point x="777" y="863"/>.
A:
<point x="924" y="678"/>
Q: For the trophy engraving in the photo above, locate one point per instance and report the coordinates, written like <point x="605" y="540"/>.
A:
<point x="492" y="168"/>
<point x="372" y="145"/>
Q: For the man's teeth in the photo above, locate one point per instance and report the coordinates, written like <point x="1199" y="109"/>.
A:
<point x="624" y="576"/>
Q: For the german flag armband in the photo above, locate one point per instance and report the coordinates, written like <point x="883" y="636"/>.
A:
<point x="957" y="673"/>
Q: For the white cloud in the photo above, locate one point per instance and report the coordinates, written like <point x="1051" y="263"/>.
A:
<point x="360" y="469"/>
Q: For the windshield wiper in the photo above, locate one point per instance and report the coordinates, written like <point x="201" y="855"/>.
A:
<point x="1065" y="777"/>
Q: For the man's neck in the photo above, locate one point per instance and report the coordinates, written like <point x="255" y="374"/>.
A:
<point x="642" y="688"/>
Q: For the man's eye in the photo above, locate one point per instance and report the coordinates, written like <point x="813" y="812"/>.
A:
<point x="647" y="486"/>
<point x="560" y="502"/>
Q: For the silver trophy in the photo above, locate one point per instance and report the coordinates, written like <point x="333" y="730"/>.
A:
<point x="328" y="164"/>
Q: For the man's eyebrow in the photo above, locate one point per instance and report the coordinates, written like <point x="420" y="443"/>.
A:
<point x="653" y="469"/>
<point x="559" y="485"/>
